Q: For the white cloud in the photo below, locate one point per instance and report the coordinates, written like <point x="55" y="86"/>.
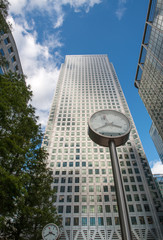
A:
<point x="40" y="59"/>
<point x="54" y="8"/>
<point x="121" y="9"/>
<point x="157" y="167"/>
<point x="120" y="12"/>
<point x="39" y="66"/>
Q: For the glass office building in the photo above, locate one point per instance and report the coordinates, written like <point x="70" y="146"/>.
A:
<point x="82" y="170"/>
<point x="149" y="75"/>
<point x="159" y="182"/>
<point x="157" y="141"/>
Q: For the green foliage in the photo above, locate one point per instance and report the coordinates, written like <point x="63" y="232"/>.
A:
<point x="25" y="181"/>
<point x="4" y="4"/>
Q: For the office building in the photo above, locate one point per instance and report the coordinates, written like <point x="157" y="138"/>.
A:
<point x="159" y="182"/>
<point x="8" y="50"/>
<point x="149" y="75"/>
<point x="157" y="141"/>
<point x="82" y="170"/>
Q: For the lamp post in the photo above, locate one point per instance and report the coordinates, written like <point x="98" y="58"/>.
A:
<point x="110" y="128"/>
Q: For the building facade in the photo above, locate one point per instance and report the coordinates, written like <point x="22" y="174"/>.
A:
<point x="8" y="50"/>
<point x="83" y="178"/>
<point x="149" y="75"/>
<point x="159" y="182"/>
<point x="157" y="141"/>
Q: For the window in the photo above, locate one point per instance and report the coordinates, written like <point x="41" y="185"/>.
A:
<point x="90" y="171"/>
<point x="108" y="221"/>
<point x="13" y="59"/>
<point x="67" y="221"/>
<point x="64" y="164"/>
<point x="69" y="189"/>
<point x="133" y="221"/>
<point x="84" y="221"/>
<point x="146" y="207"/>
<point x="141" y="187"/>
<point x="6" y="40"/>
<point x="63" y="180"/>
<point x="69" y="198"/>
<point x="91" y="188"/>
<point x="100" y="221"/>
<point x="91" y="198"/>
<point x="62" y="189"/>
<point x="56" y="180"/>
<point x="131" y="208"/>
<point x="150" y="220"/>
<point x="134" y="188"/>
<point x="68" y="209"/>
<point x="141" y="220"/>
<point x="116" y="220"/>
<point x="92" y="209"/>
<point x="105" y="188"/>
<point x="76" y="221"/>
<point x="70" y="180"/>
<point x="98" y="188"/>
<point x="144" y="198"/>
<point x="61" y="198"/>
<point x="84" y="209"/>
<point x="83" y="179"/>
<point x="107" y="208"/>
<point x="92" y="221"/>
<point x="139" y="208"/>
<point x="84" y="198"/>
<point x="127" y="188"/>
<point x="99" y="209"/>
<point x="77" y="180"/>
<point x="129" y="198"/>
<point x="60" y="209"/>
<point x="76" y="198"/>
<point x="106" y="198"/>
<point x="2" y="52"/>
<point x="76" y="209"/>
<point x="76" y="188"/>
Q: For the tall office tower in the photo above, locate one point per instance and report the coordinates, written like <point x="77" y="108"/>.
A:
<point x="149" y="75"/>
<point x="82" y="170"/>
<point x="157" y="141"/>
<point x="159" y="182"/>
<point x="8" y="50"/>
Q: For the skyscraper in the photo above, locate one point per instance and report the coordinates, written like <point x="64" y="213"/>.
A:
<point x="157" y="141"/>
<point x="82" y="170"/>
<point x="8" y="50"/>
<point x="149" y="74"/>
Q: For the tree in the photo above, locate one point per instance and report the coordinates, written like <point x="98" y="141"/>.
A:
<point x="4" y="26"/>
<point x="27" y="199"/>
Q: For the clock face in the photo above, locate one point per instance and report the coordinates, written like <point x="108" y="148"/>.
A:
<point x="50" y="232"/>
<point x="109" y="123"/>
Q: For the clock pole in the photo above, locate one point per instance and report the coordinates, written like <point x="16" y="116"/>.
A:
<point x="121" y="201"/>
<point x="110" y="128"/>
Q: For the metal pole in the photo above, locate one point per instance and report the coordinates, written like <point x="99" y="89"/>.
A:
<point x="121" y="201"/>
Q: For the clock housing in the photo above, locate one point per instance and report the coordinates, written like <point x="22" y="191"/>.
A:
<point x="109" y="125"/>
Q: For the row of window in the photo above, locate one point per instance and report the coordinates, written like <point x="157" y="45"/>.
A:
<point x="93" y="188"/>
<point x="109" y="221"/>
<point x="99" y="198"/>
<point x="100" y="208"/>
<point x="92" y="180"/>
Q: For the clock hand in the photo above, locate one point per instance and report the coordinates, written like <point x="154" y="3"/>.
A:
<point x="114" y="125"/>
<point x="47" y="234"/>
<point x="106" y="124"/>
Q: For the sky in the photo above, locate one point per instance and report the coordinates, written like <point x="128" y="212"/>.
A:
<point x="47" y="30"/>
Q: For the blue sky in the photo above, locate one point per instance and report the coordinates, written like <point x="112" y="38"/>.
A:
<point x="47" y="30"/>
